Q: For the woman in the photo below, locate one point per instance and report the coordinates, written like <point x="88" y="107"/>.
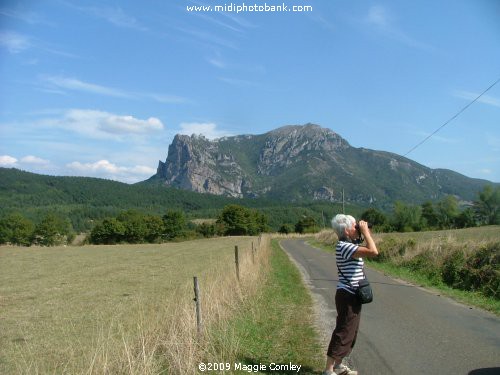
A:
<point x="349" y="257"/>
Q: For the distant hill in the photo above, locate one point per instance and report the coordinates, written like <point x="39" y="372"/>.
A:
<point x="22" y="189"/>
<point x="308" y="162"/>
<point x="84" y="200"/>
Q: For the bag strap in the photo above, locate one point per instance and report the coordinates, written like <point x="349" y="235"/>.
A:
<point x="352" y="286"/>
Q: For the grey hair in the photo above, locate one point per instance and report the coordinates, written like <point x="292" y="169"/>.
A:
<point x="341" y="222"/>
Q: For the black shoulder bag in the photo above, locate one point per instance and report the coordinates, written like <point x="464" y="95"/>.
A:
<point x="364" y="291"/>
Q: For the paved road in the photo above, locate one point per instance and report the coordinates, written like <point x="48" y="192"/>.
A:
<point x="406" y="330"/>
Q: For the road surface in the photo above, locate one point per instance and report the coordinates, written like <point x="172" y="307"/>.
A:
<point x="405" y="330"/>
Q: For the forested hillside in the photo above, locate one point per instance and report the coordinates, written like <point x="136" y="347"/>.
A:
<point x="84" y="200"/>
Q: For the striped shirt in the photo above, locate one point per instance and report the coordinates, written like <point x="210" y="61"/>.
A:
<point x="352" y="268"/>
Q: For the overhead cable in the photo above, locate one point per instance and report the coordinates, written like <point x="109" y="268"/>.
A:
<point x="454" y="117"/>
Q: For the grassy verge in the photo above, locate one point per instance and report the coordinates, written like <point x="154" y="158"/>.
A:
<point x="276" y="326"/>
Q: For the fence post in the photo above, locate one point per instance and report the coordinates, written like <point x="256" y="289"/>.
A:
<point x="253" y="254"/>
<point x="237" y="261"/>
<point x="197" y="302"/>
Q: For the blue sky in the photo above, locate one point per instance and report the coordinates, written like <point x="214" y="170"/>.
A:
<point x="100" y="88"/>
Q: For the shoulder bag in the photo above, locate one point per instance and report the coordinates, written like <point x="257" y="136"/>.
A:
<point x="364" y="291"/>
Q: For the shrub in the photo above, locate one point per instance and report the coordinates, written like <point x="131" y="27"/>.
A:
<point x="425" y="263"/>
<point x="285" y="229"/>
<point x="478" y="271"/>
<point x="452" y="266"/>
<point x="481" y="271"/>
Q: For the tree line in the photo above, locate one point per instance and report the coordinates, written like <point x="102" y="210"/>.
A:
<point x="133" y="226"/>
<point x="445" y="214"/>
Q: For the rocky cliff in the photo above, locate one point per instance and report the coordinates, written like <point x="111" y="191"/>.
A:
<point x="303" y="163"/>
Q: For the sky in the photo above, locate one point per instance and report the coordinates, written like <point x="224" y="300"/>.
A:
<point x="100" y="88"/>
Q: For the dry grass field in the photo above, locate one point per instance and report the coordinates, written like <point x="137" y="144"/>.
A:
<point x="117" y="309"/>
<point x="479" y="234"/>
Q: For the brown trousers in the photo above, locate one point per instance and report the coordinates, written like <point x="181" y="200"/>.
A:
<point x="346" y="329"/>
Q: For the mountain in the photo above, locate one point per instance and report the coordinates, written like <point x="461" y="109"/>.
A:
<point x="306" y="162"/>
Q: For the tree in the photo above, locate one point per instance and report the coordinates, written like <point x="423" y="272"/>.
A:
<point x="174" y="224"/>
<point x="16" y="229"/>
<point x="374" y="217"/>
<point x="285" y="229"/>
<point x="429" y="215"/>
<point x="407" y="218"/>
<point x="465" y="219"/>
<point x="487" y="207"/>
<point x="53" y="230"/>
<point x="306" y="225"/>
<point x="135" y="226"/>
<point x="447" y="211"/>
<point x="237" y="220"/>
<point x="154" y="228"/>
<point x="109" y="232"/>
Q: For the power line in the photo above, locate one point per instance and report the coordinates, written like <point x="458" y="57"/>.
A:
<point x="454" y="117"/>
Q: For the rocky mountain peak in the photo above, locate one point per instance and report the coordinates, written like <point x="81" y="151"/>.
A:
<point x="290" y="144"/>
<point x="302" y="162"/>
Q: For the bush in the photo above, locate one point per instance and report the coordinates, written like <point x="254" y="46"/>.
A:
<point x="481" y="271"/>
<point x="424" y="263"/>
<point x="477" y="272"/>
<point x="285" y="229"/>
<point x="452" y="266"/>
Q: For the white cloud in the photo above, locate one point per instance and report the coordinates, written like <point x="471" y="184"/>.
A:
<point x="106" y="169"/>
<point x="14" y="42"/>
<point x="207" y="129"/>
<point x="103" y="125"/>
<point x="7" y="161"/>
<point x="99" y="166"/>
<point x="78" y="85"/>
<point x="10" y="161"/>
<point x="57" y="84"/>
<point x="30" y="159"/>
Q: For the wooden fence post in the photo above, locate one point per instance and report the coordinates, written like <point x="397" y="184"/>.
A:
<point x="197" y="302"/>
<point x="237" y="261"/>
<point x="253" y="254"/>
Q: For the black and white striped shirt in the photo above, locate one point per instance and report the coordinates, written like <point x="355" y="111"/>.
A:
<point x="352" y="268"/>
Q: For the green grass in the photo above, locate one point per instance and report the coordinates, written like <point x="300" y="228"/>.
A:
<point x="62" y="306"/>
<point x="277" y="325"/>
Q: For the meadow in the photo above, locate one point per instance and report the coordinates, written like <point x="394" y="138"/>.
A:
<point x="120" y="309"/>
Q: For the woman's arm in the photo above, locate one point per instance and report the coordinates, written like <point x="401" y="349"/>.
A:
<point x="371" y="249"/>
